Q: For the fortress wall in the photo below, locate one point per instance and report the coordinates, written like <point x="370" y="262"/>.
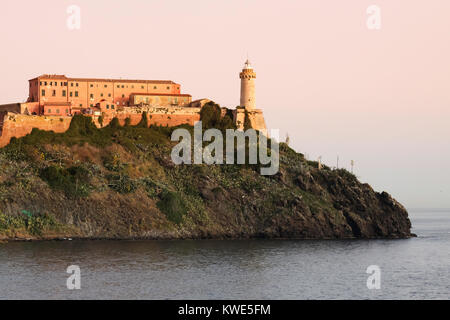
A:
<point x="163" y="116"/>
<point x="257" y="121"/>
<point x="19" y="125"/>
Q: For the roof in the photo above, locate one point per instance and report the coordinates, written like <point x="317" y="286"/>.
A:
<point x="51" y="104"/>
<point x="161" y="94"/>
<point x="63" y="77"/>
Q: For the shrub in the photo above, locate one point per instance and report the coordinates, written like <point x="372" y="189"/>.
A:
<point x="172" y="205"/>
<point x="73" y="181"/>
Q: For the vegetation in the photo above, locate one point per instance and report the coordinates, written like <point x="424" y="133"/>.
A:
<point x="119" y="181"/>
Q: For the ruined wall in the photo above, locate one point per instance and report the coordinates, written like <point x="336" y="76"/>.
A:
<point x="19" y="125"/>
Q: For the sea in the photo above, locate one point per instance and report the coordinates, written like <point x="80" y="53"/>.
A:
<point x="416" y="268"/>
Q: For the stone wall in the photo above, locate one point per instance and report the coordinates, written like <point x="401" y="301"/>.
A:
<point x="19" y="125"/>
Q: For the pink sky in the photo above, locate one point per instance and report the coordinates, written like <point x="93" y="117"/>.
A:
<point x="380" y="98"/>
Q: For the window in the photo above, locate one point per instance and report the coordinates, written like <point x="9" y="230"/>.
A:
<point x="76" y="93"/>
<point x="53" y="93"/>
<point x="56" y="84"/>
<point x="45" y="83"/>
<point x="142" y="87"/>
<point x="92" y="85"/>
<point x="109" y="94"/>
<point x="92" y="96"/>
<point x="155" y="87"/>
<point x="71" y="94"/>
<point x="64" y="93"/>
<point x="112" y="106"/>
<point x="101" y="94"/>
<point x="118" y="86"/>
<point x="51" y="83"/>
<point x="57" y="110"/>
<point x="123" y="96"/>
<point x="76" y="84"/>
<point x="40" y="83"/>
<point x="81" y="104"/>
<point x="92" y="105"/>
<point x="62" y="84"/>
<point x="123" y="86"/>
<point x="65" y="83"/>
<point x="107" y="106"/>
<point x="168" y="88"/>
<point x="43" y="93"/>
<point x="106" y="86"/>
<point x="71" y="84"/>
<point x="49" y="110"/>
<point x="132" y="87"/>
<point x="67" y="110"/>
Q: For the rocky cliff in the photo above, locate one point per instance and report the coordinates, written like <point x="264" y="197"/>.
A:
<point x="119" y="182"/>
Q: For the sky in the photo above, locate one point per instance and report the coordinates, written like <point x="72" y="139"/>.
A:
<point x="379" y="97"/>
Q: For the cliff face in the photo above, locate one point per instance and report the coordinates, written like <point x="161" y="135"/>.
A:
<point x="119" y="182"/>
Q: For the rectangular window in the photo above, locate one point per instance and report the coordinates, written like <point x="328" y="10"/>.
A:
<point x="49" y="110"/>
<point x="123" y="86"/>
<point x="109" y="94"/>
<point x="71" y="94"/>
<point x="92" y="85"/>
<point x="106" y="86"/>
<point x="56" y="84"/>
<point x="142" y="87"/>
<point x="45" y="83"/>
<point x="43" y="93"/>
<point x="112" y="106"/>
<point x="57" y="110"/>
<point x="118" y="86"/>
<point x="62" y="84"/>
<point x="40" y="83"/>
<point x="123" y="96"/>
<point x="76" y="84"/>
<point x="54" y="93"/>
<point x="92" y="96"/>
<point x="107" y="106"/>
<point x="67" y="110"/>
<point x="76" y="93"/>
<point x="81" y="104"/>
<point x="64" y="93"/>
<point x="71" y="84"/>
<point x="65" y="83"/>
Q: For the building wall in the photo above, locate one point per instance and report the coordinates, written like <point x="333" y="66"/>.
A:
<point x="160" y="100"/>
<point x="19" y="125"/>
<point x="85" y="93"/>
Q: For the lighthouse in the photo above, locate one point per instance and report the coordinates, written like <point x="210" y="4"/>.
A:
<point x="246" y="112"/>
<point x="248" y="77"/>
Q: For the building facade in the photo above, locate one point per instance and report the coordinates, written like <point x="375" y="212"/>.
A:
<point x="60" y="95"/>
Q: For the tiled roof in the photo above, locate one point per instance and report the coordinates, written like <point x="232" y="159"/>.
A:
<point x="63" y="77"/>
<point x="161" y="94"/>
<point x="65" y="103"/>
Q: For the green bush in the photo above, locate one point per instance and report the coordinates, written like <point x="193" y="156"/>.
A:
<point x="172" y="205"/>
<point x="73" y="181"/>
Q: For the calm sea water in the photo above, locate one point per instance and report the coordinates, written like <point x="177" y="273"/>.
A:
<point x="416" y="268"/>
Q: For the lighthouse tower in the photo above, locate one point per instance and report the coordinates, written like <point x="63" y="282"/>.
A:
<point x="248" y="77"/>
